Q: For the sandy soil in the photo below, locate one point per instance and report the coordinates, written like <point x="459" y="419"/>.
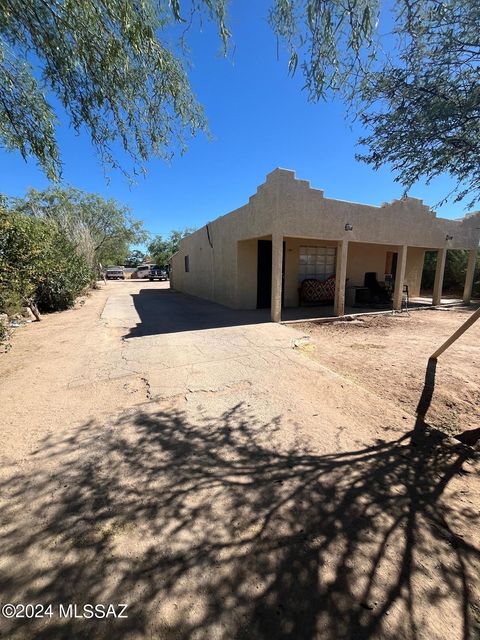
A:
<point x="389" y="354"/>
<point x="230" y="481"/>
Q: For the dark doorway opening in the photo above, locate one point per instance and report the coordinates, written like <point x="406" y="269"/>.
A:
<point x="264" y="274"/>
<point x="391" y="265"/>
<point x="428" y="273"/>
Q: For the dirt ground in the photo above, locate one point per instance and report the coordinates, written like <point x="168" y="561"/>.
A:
<point x="228" y="479"/>
<point x="389" y="354"/>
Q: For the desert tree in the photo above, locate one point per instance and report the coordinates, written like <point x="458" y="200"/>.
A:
<point x="409" y="71"/>
<point x="162" y="249"/>
<point x="103" y="230"/>
<point x="110" y="64"/>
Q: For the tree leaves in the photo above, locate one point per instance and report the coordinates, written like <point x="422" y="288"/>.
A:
<point x="27" y="122"/>
<point x="423" y="113"/>
<point x="416" y="89"/>
<point x="38" y="262"/>
<point x="106" y="63"/>
<point x="330" y="37"/>
<point x="161" y="250"/>
<point x="102" y="230"/>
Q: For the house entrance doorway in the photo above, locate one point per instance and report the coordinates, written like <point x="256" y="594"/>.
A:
<point x="264" y="274"/>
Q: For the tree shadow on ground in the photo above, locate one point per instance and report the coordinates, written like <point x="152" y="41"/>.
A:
<point x="215" y="528"/>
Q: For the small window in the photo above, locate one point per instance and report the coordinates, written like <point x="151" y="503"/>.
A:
<point x="187" y="264"/>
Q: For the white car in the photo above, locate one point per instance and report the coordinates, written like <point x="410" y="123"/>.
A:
<point x="115" y="273"/>
<point x="143" y="270"/>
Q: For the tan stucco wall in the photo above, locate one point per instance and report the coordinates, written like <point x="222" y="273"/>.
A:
<point x="284" y="205"/>
<point x="247" y="274"/>
<point x="198" y="281"/>
<point x="305" y="212"/>
<point x="363" y="258"/>
<point x="214" y="265"/>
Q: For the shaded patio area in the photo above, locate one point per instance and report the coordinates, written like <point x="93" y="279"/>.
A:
<point x="306" y="278"/>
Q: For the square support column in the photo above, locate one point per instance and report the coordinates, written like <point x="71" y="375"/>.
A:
<point x="467" y="291"/>
<point x="400" y="277"/>
<point x="277" y="265"/>
<point x="340" y="278"/>
<point x="439" y="271"/>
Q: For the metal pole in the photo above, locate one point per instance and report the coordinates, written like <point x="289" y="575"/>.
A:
<point x="460" y="331"/>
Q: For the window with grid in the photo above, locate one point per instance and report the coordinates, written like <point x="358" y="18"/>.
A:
<point x="316" y="262"/>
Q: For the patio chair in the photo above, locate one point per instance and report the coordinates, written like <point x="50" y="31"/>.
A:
<point x="379" y="294"/>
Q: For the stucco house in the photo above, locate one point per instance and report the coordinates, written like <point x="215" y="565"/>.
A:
<point x="288" y="233"/>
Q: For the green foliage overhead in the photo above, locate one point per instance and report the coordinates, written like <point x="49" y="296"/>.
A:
<point x="415" y="85"/>
<point x="409" y="71"/>
<point x="424" y="111"/>
<point x="162" y="249"/>
<point x="329" y="40"/>
<point x="111" y="66"/>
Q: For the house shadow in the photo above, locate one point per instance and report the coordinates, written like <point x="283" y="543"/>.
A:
<point x="167" y="311"/>
<point x="214" y="527"/>
<point x="164" y="311"/>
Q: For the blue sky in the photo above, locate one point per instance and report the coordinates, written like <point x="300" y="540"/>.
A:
<point x="260" y="119"/>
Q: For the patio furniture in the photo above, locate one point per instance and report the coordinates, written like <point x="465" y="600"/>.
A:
<point x="357" y="296"/>
<point x="379" y="294"/>
<point x="313" y="290"/>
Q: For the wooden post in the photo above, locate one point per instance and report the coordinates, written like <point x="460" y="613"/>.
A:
<point x="439" y="271"/>
<point x="400" y="277"/>
<point x="277" y="262"/>
<point x="460" y="331"/>
<point x="472" y="259"/>
<point x="340" y="278"/>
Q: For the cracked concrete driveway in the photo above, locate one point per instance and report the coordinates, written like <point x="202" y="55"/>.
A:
<point x="193" y="462"/>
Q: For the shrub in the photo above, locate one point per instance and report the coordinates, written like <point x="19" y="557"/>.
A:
<point x="58" y="290"/>
<point x="39" y="263"/>
<point x="10" y="301"/>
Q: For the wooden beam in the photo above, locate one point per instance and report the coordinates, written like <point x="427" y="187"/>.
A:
<point x="459" y="332"/>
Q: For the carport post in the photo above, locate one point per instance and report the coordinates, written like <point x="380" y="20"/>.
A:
<point x="340" y="278"/>
<point x="277" y="261"/>
<point x="439" y="271"/>
<point x="400" y="277"/>
<point x="472" y="259"/>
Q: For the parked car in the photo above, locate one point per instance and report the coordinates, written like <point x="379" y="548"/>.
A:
<point x="157" y="273"/>
<point x="143" y="270"/>
<point x="115" y="273"/>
